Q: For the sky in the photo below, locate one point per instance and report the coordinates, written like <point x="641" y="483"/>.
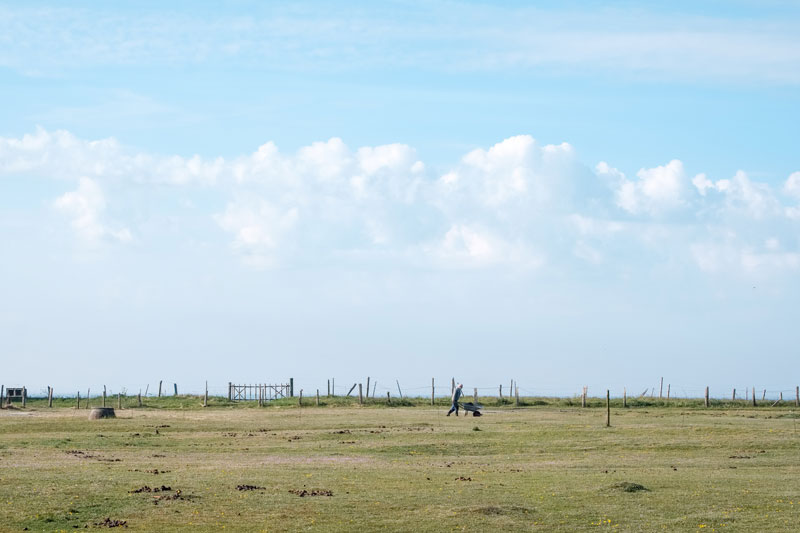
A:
<point x="566" y="194"/>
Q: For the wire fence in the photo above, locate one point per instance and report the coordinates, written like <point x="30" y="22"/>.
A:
<point x="374" y="387"/>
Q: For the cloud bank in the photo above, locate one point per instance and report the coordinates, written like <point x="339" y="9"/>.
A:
<point x="518" y="204"/>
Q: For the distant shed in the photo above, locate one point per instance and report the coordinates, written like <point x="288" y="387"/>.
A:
<point x="14" y="394"/>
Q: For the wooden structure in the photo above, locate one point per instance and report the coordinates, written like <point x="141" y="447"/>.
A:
<point x="260" y="392"/>
<point x="15" y="394"/>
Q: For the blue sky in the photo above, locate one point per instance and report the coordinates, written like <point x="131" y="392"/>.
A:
<point x="562" y="193"/>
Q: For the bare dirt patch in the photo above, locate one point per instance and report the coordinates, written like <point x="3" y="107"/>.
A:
<point x="313" y="492"/>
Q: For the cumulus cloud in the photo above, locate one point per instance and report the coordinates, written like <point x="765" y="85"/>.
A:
<point x="514" y="203"/>
<point x="85" y="207"/>
<point x="258" y="227"/>
<point x="657" y="190"/>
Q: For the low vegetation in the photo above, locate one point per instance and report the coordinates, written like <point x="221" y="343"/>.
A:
<point x="172" y="465"/>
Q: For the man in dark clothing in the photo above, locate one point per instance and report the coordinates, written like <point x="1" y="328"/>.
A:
<point x="456" y="396"/>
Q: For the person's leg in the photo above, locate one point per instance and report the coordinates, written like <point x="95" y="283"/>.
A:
<point x="453" y="408"/>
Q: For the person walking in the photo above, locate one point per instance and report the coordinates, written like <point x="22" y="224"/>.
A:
<point x="456" y="396"/>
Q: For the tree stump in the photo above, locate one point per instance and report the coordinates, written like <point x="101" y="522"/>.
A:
<point x="101" y="412"/>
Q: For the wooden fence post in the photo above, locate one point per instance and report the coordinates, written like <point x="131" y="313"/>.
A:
<point x="360" y="395"/>
<point x="608" y="408"/>
<point x="516" y="396"/>
<point x="797" y="396"/>
<point x="733" y="396"/>
<point x="388" y="397"/>
<point x="317" y="397"/>
<point x="159" y="388"/>
<point x="374" y="386"/>
<point x="139" y="398"/>
<point x="49" y="396"/>
<point x="2" y="399"/>
<point x="176" y="388"/>
<point x="661" y="389"/>
<point x="668" y="389"/>
<point x="452" y="386"/>
<point x="291" y="387"/>
<point x="433" y="390"/>
<point x="398" y="389"/>
<point x="78" y="400"/>
<point x="351" y="389"/>
<point x="230" y="386"/>
<point x="205" y="396"/>
<point x="24" y="396"/>
<point x="367" y="386"/>
<point x="329" y="388"/>
<point x="624" y="397"/>
<point x="300" y="398"/>
<point x="104" y="395"/>
<point x="501" y="392"/>
<point x="706" y="402"/>
<point x="88" y="391"/>
<point x="475" y="395"/>
<point x="764" y="395"/>
<point x="754" y="396"/>
<point x="333" y="386"/>
<point x="119" y="400"/>
<point x="583" y="397"/>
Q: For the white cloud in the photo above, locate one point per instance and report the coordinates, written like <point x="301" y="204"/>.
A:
<point x="258" y="227"/>
<point x="513" y="203"/>
<point x="658" y="190"/>
<point x="85" y="207"/>
<point x="465" y="245"/>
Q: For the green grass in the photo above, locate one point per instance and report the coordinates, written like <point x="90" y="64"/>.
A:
<point x="545" y="468"/>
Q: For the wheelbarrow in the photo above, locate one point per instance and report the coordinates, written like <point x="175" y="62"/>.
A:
<point x="474" y="408"/>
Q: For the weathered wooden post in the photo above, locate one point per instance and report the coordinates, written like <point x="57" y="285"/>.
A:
<point x="661" y="389"/>
<point x="388" y="397"/>
<point x="24" y="396"/>
<point x="624" y="397"/>
<point x="205" y="396"/>
<point x="475" y="395"/>
<point x="360" y="395"/>
<point x="333" y="386"/>
<point x="433" y="390"/>
<point x="317" y="397"/>
<point x="104" y="395"/>
<point x="398" y="389"/>
<point x="176" y="388"/>
<point x="583" y="397"/>
<point x="49" y="396"/>
<point x="291" y="387"/>
<point x="754" y="396"/>
<point x="329" y="388"/>
<point x="300" y="398"/>
<point x="2" y="396"/>
<point x="706" y="402"/>
<point x="500" y="392"/>
<point x="367" y="386"/>
<point x="764" y="395"/>
<point x="733" y="396"/>
<point x="797" y="396"/>
<point x="608" y="408"/>
<point x="119" y="400"/>
<point x="230" y="387"/>
<point x="78" y="399"/>
<point x="88" y="392"/>
<point x="139" y="398"/>
<point x="668" y="388"/>
<point x="159" y="388"/>
<point x="516" y="396"/>
<point x="452" y="386"/>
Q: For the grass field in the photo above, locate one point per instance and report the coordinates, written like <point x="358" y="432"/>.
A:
<point x="544" y="468"/>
